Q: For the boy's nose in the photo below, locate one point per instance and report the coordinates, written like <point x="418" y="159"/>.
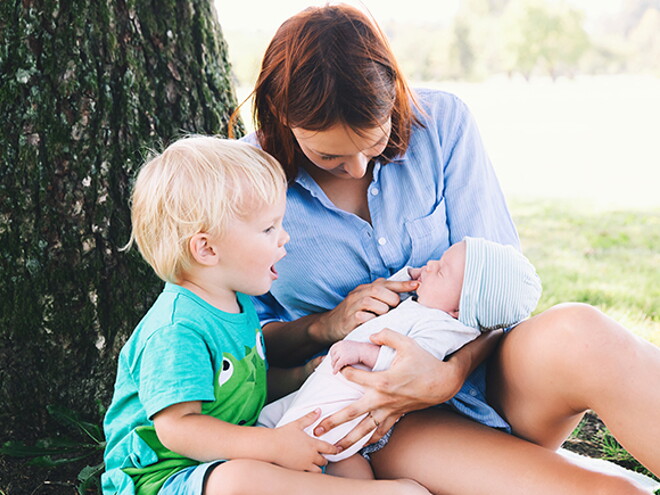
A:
<point x="284" y="238"/>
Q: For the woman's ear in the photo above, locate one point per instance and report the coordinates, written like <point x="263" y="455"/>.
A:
<point x="203" y="249"/>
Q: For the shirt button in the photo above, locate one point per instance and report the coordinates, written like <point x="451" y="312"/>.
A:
<point x="375" y="191"/>
<point x="382" y="241"/>
<point x="473" y="392"/>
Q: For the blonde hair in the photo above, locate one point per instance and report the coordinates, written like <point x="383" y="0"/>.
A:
<point x="198" y="184"/>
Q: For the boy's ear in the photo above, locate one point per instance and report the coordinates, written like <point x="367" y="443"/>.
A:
<point x="203" y="250"/>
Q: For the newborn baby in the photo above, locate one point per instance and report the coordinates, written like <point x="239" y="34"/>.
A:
<point x="476" y="286"/>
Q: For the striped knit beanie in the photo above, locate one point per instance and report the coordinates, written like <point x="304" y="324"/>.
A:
<point x="500" y="286"/>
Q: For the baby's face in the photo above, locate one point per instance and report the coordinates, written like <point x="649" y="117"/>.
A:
<point x="441" y="281"/>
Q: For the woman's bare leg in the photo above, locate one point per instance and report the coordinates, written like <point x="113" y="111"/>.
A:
<point x="247" y="477"/>
<point x="449" y="454"/>
<point x="553" y="367"/>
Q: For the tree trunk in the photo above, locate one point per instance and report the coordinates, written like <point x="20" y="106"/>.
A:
<point x="86" y="89"/>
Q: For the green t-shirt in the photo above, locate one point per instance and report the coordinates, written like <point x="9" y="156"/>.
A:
<point x="183" y="350"/>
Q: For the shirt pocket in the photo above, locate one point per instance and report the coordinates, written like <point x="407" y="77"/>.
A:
<point x="429" y="236"/>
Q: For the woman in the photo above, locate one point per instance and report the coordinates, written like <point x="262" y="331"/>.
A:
<point x="381" y="177"/>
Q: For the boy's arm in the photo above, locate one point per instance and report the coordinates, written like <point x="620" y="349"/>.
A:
<point x="350" y="352"/>
<point x="183" y="429"/>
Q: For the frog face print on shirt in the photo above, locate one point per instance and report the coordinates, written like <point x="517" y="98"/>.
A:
<point x="239" y="386"/>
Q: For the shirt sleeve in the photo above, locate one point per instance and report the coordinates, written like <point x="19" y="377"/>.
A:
<point x="475" y="203"/>
<point x="175" y="366"/>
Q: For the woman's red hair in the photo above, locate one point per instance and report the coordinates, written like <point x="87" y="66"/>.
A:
<point x="326" y="66"/>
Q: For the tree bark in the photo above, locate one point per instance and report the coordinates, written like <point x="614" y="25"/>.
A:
<point x="87" y="88"/>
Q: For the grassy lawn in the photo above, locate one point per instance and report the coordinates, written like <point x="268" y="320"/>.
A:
<point x="610" y="259"/>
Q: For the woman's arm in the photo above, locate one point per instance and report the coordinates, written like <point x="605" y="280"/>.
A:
<point x="402" y="388"/>
<point x="283" y="381"/>
<point x="290" y="343"/>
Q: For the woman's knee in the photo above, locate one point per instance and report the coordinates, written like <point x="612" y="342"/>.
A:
<point x="567" y="335"/>
<point x="572" y="321"/>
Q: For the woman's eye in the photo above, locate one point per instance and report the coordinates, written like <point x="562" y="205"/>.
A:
<point x="328" y="157"/>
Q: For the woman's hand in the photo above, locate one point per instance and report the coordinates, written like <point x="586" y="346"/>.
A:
<point x="416" y="380"/>
<point x="360" y="305"/>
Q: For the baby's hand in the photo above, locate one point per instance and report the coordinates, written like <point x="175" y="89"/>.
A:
<point x="350" y="352"/>
<point x="299" y="450"/>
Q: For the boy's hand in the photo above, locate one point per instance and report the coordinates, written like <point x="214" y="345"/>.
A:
<point x="350" y="352"/>
<point x="298" y="450"/>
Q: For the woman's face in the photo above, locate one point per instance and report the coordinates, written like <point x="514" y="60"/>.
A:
<point x="342" y="152"/>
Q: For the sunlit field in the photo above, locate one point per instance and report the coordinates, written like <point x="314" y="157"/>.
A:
<point x="590" y="138"/>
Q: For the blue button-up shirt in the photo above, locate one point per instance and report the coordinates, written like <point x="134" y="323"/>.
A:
<point x="443" y="189"/>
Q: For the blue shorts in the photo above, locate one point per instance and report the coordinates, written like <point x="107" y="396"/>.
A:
<point x="189" y="481"/>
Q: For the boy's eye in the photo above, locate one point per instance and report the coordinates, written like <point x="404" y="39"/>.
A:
<point x="269" y="229"/>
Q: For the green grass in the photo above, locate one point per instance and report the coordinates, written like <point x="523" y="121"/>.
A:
<point x="610" y="259"/>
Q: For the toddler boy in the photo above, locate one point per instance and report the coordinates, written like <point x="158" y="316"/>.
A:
<point x="207" y="216"/>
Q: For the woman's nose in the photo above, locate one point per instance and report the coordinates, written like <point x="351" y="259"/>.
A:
<point x="356" y="166"/>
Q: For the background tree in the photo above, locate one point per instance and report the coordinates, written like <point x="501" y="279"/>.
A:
<point x="642" y="35"/>
<point x="461" y="49"/>
<point x="545" y="36"/>
<point x="86" y="88"/>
